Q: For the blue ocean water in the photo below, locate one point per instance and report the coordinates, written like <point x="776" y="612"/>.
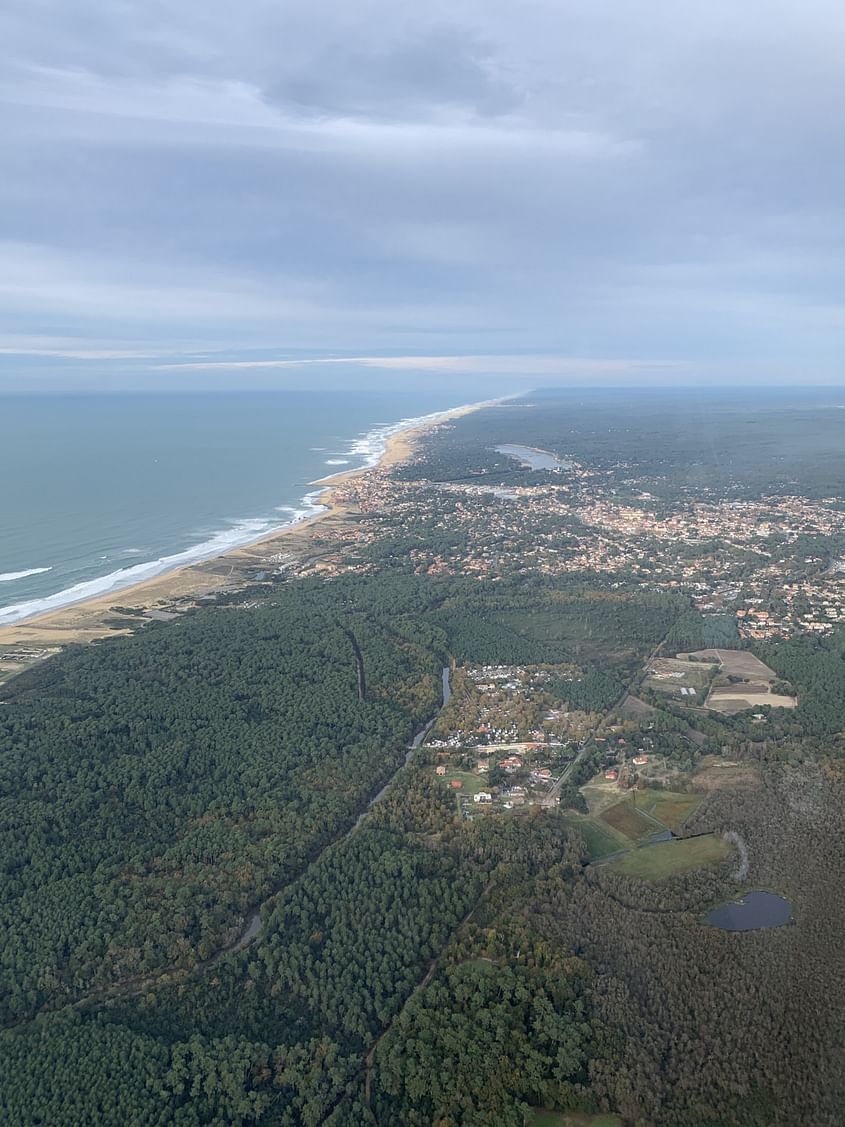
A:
<point x="102" y="491"/>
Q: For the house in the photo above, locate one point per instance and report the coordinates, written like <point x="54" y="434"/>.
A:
<point x="612" y="775"/>
<point x="482" y="796"/>
<point x="640" y="760"/>
<point x="543" y="772"/>
<point x="511" y="763"/>
<point x="441" y="770"/>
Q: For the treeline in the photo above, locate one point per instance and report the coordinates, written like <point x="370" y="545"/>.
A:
<point x="815" y="667"/>
<point x="594" y="691"/>
<point x="516" y="623"/>
<point x="571" y="987"/>
<point x="695" y="631"/>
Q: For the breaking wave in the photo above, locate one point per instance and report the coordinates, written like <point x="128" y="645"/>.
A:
<point x="10" y="576"/>
<point x="240" y="533"/>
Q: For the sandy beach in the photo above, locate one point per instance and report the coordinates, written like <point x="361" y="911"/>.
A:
<point x="176" y="590"/>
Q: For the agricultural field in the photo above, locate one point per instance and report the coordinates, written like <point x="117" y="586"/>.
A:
<point x="686" y="680"/>
<point x="668" y="858"/>
<point x="736" y="663"/>
<point x="748" y="694"/>
<point x="635" y="709"/>
<point x="669" y="807"/>
<point x="600" y="794"/>
<point x="598" y="838"/>
<point x="717" y="774"/>
<point x="753" y="691"/>
<point x="626" y="819"/>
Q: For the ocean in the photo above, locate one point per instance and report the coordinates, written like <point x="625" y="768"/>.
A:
<point x="103" y="491"/>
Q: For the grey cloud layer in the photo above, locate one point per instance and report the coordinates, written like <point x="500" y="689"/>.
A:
<point x="631" y="182"/>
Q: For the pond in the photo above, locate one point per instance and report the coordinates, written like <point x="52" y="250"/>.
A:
<point x="755" y="910"/>
<point x="534" y="459"/>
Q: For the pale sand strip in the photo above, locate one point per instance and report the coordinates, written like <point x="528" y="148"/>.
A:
<point x="91" y="619"/>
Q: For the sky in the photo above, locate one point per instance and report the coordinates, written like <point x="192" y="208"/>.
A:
<point x="519" y="193"/>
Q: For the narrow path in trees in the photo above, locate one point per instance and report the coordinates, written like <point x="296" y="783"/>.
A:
<point x="552" y="798"/>
<point x="359" y="664"/>
<point x="426" y="978"/>
<point x="132" y="987"/>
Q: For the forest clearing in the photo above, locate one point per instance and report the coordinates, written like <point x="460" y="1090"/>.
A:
<point x="541" y="1118"/>
<point x="669" y="807"/>
<point x="628" y="820"/>
<point x="668" y="858"/>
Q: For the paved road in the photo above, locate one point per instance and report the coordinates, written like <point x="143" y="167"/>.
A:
<point x="552" y="796"/>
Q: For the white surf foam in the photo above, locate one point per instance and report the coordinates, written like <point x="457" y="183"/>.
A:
<point x="369" y="446"/>
<point x="239" y="534"/>
<point x="11" y="576"/>
<point x="337" y="461"/>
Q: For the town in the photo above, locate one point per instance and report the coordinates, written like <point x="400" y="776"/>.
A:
<point x="775" y="564"/>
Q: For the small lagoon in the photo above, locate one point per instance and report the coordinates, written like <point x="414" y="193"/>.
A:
<point x="533" y="458"/>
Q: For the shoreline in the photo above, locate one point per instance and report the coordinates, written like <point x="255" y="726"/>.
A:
<point x="180" y="587"/>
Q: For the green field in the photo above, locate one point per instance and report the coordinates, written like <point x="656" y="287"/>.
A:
<point x="626" y="819"/>
<point x="598" y="839"/>
<point x="666" y="859"/>
<point x="670" y="807"/>
<point x="540" y="1118"/>
<point x="472" y="784"/>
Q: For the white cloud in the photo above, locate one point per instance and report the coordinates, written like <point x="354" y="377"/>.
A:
<point x="205" y="112"/>
<point x="511" y="365"/>
<point x="454" y="179"/>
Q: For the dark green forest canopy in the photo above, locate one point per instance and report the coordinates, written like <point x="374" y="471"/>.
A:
<point x="155" y="787"/>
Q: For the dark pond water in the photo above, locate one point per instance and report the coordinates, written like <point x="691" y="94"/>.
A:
<point x="755" y="910"/>
<point x="534" y="459"/>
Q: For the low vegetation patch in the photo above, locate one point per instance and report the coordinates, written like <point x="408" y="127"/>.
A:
<point x="627" y="819"/>
<point x="669" y="807"/>
<point x="597" y="838"/>
<point x="470" y="783"/>
<point x="539" y="1117"/>
<point x="666" y="859"/>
